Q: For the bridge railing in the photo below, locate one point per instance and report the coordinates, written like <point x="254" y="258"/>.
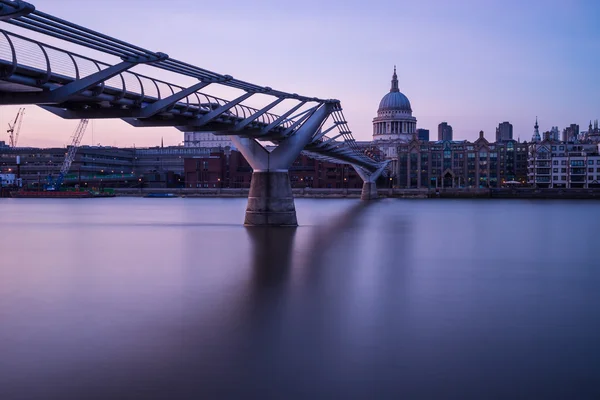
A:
<point x="58" y="66"/>
<point x="53" y="67"/>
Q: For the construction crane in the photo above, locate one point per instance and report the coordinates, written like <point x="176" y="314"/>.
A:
<point x="12" y="133"/>
<point x="72" y="150"/>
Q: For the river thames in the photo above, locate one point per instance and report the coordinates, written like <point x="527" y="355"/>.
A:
<point x="174" y="298"/>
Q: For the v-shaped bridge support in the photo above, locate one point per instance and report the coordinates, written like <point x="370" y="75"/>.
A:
<point x="369" y="189"/>
<point x="270" y="201"/>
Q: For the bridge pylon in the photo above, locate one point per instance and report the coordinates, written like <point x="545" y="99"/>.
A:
<point x="270" y="200"/>
<point x="369" y="189"/>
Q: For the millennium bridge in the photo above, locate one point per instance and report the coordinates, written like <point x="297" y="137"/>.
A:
<point x="111" y="85"/>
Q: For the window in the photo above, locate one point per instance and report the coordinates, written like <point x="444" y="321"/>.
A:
<point x="563" y="162"/>
<point x="563" y="170"/>
<point x="561" y="147"/>
<point x="598" y="162"/>
<point x="590" y="169"/>
<point x="555" y="177"/>
<point x="555" y="170"/>
<point x="555" y="162"/>
<point x="590" y="162"/>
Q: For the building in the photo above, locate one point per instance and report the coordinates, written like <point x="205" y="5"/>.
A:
<point x="446" y="164"/>
<point x="423" y="134"/>
<point x="218" y="168"/>
<point x="571" y="133"/>
<point x="504" y="132"/>
<point x="555" y="134"/>
<point x="593" y="133"/>
<point x="207" y="140"/>
<point x="224" y="168"/>
<point x="394" y="122"/>
<point x="8" y="180"/>
<point x="567" y="165"/>
<point x="95" y="164"/>
<point x="444" y="132"/>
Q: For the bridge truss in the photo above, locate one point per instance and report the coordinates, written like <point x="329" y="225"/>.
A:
<point x="74" y="86"/>
<point x="113" y="83"/>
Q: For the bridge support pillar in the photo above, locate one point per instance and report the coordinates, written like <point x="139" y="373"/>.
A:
<point x="369" y="189"/>
<point x="270" y="201"/>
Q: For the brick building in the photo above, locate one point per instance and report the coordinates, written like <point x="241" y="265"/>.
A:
<point x="460" y="163"/>
<point x="225" y="168"/>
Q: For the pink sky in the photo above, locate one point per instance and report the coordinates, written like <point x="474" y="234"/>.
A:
<point x="470" y="63"/>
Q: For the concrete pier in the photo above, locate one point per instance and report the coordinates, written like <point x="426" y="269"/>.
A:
<point x="270" y="201"/>
<point x="369" y="191"/>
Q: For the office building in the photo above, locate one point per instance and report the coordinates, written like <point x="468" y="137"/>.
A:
<point x="571" y="133"/>
<point x="423" y="135"/>
<point x="504" y="132"/>
<point x="444" y="132"/>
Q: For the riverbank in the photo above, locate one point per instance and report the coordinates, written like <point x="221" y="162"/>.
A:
<point x="508" y="193"/>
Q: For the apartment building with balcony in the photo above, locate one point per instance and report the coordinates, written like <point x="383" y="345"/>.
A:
<point x="552" y="164"/>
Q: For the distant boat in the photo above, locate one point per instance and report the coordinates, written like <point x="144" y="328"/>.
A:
<point x="161" y="195"/>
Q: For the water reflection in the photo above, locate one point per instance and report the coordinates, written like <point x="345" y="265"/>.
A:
<point x="272" y="251"/>
<point x="385" y="300"/>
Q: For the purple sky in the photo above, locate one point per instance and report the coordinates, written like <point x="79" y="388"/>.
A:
<point x="471" y="63"/>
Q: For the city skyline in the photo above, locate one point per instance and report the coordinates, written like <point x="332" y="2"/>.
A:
<point x="475" y="69"/>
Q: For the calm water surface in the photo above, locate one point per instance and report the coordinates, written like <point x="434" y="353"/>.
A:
<point x="173" y="298"/>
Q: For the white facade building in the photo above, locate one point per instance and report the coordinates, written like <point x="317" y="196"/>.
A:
<point x="206" y="140"/>
<point x="564" y="165"/>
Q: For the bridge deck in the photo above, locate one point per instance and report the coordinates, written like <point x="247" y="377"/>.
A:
<point x="75" y="86"/>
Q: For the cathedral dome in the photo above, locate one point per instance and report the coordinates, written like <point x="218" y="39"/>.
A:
<point x="394" y="100"/>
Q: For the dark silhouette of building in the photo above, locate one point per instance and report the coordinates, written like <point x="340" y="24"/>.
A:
<point x="571" y="133"/>
<point x="423" y="134"/>
<point x="504" y="132"/>
<point x="444" y="132"/>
